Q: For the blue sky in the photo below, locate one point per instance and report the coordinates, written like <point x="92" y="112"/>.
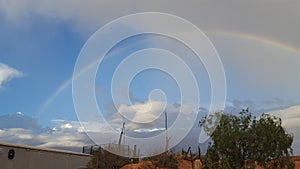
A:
<point x="40" y="43"/>
<point x="45" y="58"/>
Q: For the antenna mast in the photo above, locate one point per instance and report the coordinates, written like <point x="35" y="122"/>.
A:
<point x="166" y="128"/>
<point x="121" y="134"/>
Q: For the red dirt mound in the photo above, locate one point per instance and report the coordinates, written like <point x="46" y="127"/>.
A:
<point x="182" y="164"/>
<point x="141" y="165"/>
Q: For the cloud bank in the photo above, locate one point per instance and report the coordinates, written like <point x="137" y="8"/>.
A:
<point x="70" y="135"/>
<point x="22" y="129"/>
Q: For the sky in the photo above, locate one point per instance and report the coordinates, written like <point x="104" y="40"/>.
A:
<point x="40" y="42"/>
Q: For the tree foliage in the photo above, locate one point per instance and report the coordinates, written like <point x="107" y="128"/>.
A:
<point x="244" y="141"/>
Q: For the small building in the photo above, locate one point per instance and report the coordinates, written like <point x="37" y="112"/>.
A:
<point x="13" y="156"/>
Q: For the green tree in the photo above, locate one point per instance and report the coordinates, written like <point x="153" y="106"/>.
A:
<point x="241" y="141"/>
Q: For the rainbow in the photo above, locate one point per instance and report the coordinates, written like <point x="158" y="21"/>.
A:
<point x="256" y="38"/>
<point x="238" y="35"/>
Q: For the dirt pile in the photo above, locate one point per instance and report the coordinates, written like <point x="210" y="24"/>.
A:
<point x="182" y="164"/>
<point x="185" y="164"/>
<point x="141" y="165"/>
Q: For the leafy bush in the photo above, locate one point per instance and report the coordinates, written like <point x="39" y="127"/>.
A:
<point x="244" y="141"/>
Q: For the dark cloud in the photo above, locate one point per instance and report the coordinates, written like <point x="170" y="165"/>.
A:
<point x="19" y="121"/>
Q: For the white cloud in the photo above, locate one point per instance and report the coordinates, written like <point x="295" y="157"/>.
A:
<point x="53" y="139"/>
<point x="290" y="116"/>
<point x="67" y="126"/>
<point x="148" y="130"/>
<point x="26" y="130"/>
<point x="7" y="73"/>
<point x="291" y="121"/>
<point x="143" y="112"/>
<point x="63" y="139"/>
<point x="19" y="113"/>
<point x="149" y="116"/>
<point x="76" y="126"/>
<point x="25" y="136"/>
<point x="18" y="135"/>
<point x="61" y="124"/>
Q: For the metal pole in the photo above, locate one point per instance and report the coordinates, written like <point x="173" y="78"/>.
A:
<point x="166" y="127"/>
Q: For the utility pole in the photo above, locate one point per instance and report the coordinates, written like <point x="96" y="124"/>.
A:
<point x="166" y="128"/>
<point x="121" y="134"/>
